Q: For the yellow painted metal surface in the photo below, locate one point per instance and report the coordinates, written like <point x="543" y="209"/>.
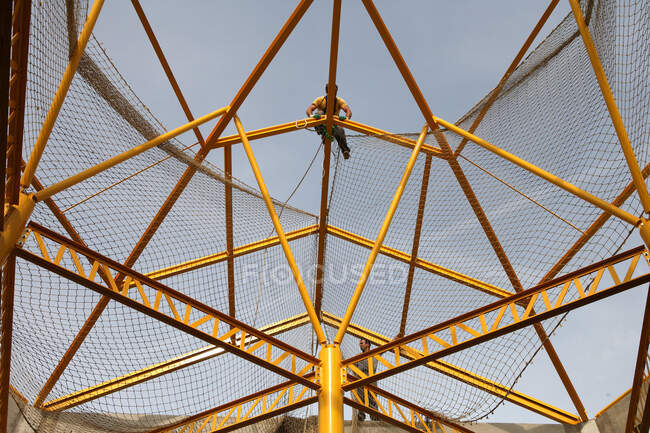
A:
<point x="504" y="316"/>
<point x="269" y="131"/>
<point x="463" y="375"/>
<point x="330" y="395"/>
<point x="644" y="230"/>
<point x="151" y="372"/>
<point x="15" y="220"/>
<point x="167" y="305"/>
<point x="388" y="136"/>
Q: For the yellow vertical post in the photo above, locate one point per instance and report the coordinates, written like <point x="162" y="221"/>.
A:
<point x="330" y="396"/>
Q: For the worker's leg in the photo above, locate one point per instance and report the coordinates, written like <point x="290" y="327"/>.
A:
<point x="339" y="135"/>
<point x="373" y="404"/>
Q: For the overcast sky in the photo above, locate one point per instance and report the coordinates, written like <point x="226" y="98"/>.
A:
<point x="457" y="51"/>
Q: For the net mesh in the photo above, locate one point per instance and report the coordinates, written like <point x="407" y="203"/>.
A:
<point x="550" y="112"/>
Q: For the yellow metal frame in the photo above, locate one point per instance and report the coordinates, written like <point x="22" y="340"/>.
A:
<point x="257" y="407"/>
<point x="156" y="370"/>
<point x="399" y="412"/>
<point x="167" y="305"/>
<point x="146" y="294"/>
<point x="477" y="326"/>
<point x="468" y="377"/>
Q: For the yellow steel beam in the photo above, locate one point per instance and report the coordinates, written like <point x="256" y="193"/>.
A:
<point x="15" y="219"/>
<point x="327" y="151"/>
<point x="283" y="239"/>
<point x="617" y="121"/>
<point x="117" y="159"/>
<point x="421" y="263"/>
<point x="227" y="163"/>
<point x="463" y="375"/>
<point x="504" y="316"/>
<point x="388" y="136"/>
<point x="156" y="370"/>
<point x="248" y="410"/>
<point x="178" y="189"/>
<point x="57" y="102"/>
<point x="311" y="122"/>
<point x="6" y="331"/>
<point x="608" y="207"/>
<point x="402" y="413"/>
<point x="212" y="259"/>
<point x="415" y="245"/>
<point x="165" y="304"/>
<point x="18" y="61"/>
<point x="270" y="131"/>
<point x="471" y="196"/>
<point x="330" y="395"/>
<point x="380" y="238"/>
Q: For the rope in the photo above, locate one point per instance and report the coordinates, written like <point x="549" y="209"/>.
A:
<point x="284" y="204"/>
<point x="125" y="179"/>
<point x="521" y="193"/>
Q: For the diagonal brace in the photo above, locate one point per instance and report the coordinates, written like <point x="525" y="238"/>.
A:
<point x="167" y="305"/>
<point x="503" y="317"/>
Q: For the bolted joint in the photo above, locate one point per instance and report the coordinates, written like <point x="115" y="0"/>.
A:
<point x="644" y="229"/>
<point x="16" y="217"/>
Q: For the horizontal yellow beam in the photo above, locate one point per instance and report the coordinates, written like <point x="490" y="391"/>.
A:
<point x="311" y="122"/>
<point x="270" y="131"/>
<point x="212" y="259"/>
<point x="156" y="370"/>
<point x="465" y="376"/>
<point x="388" y="136"/>
<point x="421" y="263"/>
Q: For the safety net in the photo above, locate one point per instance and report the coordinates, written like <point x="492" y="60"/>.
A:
<point x="550" y="112"/>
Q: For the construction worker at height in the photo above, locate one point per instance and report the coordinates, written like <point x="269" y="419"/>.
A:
<point x="317" y="109"/>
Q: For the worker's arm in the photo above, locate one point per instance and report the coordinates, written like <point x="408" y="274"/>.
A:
<point x="310" y="110"/>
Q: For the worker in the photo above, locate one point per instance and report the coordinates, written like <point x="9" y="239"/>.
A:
<point x="317" y="109"/>
<point x="362" y="365"/>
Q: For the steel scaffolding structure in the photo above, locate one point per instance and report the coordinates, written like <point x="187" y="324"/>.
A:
<point x="309" y="379"/>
